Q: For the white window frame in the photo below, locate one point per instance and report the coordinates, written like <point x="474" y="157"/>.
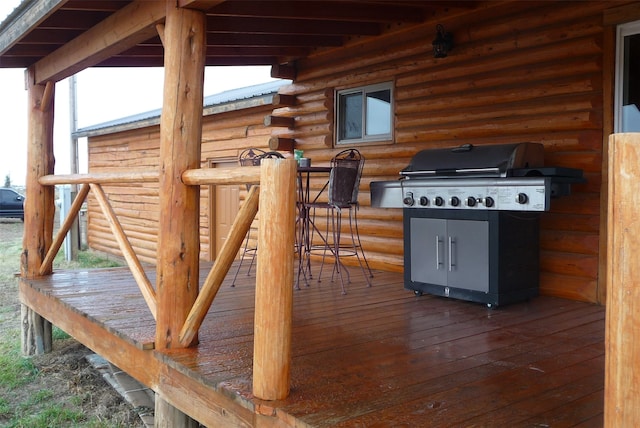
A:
<point x="364" y="90"/>
<point x="623" y="30"/>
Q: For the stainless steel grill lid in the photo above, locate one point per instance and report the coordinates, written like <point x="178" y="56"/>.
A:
<point x="494" y="160"/>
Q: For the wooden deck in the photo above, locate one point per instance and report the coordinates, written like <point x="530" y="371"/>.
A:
<point x="375" y="357"/>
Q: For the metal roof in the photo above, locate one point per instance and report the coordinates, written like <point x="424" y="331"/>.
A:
<point x="230" y="100"/>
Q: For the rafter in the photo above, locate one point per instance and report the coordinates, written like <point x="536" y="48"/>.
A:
<point x="129" y="26"/>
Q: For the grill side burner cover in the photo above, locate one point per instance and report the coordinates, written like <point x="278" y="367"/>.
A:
<point x="488" y="161"/>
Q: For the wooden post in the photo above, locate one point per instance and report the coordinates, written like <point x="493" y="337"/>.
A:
<point x="167" y="416"/>
<point x="274" y="280"/>
<point x="622" y="333"/>
<point x="39" y="209"/>
<point x="180" y="137"/>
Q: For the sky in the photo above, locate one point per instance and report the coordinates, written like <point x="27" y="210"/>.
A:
<point x="103" y="94"/>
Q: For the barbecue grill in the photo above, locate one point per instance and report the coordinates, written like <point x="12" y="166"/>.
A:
<point x="471" y="219"/>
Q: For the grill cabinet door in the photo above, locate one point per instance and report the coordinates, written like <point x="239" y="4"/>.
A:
<point x="468" y="254"/>
<point x="452" y="253"/>
<point x="428" y="237"/>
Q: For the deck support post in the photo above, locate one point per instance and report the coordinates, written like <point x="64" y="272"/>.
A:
<point x="622" y="332"/>
<point x="39" y="209"/>
<point x="167" y="416"/>
<point x="180" y="137"/>
<point x="274" y="280"/>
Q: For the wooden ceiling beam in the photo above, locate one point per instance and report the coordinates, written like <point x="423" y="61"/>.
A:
<point x="227" y="51"/>
<point x="49" y="37"/>
<point x="352" y="11"/>
<point x="95" y="5"/>
<point x="73" y="20"/>
<point x="198" y="4"/>
<point x="158" y="51"/>
<point x="125" y="61"/>
<point x="122" y="30"/>
<point x="228" y="24"/>
<point x="277" y="40"/>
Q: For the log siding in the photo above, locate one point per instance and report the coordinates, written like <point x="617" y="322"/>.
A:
<point x="224" y="135"/>
<point x="518" y="72"/>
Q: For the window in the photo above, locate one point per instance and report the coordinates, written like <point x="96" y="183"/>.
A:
<point x="364" y="114"/>
<point x="627" y="103"/>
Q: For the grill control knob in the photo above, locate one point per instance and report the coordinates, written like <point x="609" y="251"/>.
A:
<point x="424" y="201"/>
<point x="438" y="201"/>
<point x="455" y="201"/>
<point x="488" y="202"/>
<point x="471" y="201"/>
<point x="408" y="199"/>
<point x="522" y="198"/>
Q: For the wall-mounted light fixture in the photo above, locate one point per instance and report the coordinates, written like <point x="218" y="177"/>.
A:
<point x="442" y="43"/>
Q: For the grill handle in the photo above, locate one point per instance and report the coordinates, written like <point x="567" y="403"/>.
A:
<point x="451" y="263"/>
<point x="438" y="261"/>
<point x="444" y="172"/>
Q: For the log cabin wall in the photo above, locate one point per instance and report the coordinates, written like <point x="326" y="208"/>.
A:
<point x="224" y="136"/>
<point x="135" y="204"/>
<point x="518" y="72"/>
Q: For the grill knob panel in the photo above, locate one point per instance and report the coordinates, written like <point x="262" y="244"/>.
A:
<point x="522" y="198"/>
<point x="471" y="201"/>
<point x="455" y="201"/>
<point x="424" y="201"/>
<point x="408" y="199"/>
<point x="489" y="202"/>
<point x="438" y="201"/>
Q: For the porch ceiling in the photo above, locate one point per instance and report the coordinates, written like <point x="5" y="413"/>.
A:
<point x="239" y="32"/>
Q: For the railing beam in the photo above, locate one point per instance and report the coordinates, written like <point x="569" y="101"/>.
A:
<point x="206" y="176"/>
<point x="100" y="178"/>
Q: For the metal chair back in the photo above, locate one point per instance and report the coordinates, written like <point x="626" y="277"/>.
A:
<point x="344" y="179"/>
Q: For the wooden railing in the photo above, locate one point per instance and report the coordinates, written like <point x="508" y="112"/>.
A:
<point x="274" y="278"/>
<point x="94" y="182"/>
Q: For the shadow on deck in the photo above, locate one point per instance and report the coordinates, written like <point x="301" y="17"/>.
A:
<point x="377" y="356"/>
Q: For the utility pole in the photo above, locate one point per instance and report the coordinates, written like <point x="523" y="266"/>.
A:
<point x="73" y="237"/>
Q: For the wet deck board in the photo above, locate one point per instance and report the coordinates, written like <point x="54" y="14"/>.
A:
<point x="380" y="356"/>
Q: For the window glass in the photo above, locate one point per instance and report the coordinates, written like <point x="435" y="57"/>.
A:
<point x="351" y="117"/>
<point x="627" y="93"/>
<point x="378" y="112"/>
<point x="631" y="84"/>
<point x="364" y="114"/>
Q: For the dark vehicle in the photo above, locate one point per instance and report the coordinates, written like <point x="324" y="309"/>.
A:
<point x="11" y="204"/>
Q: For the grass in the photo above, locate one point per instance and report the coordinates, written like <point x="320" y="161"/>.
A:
<point x="10" y="259"/>
<point x="51" y="416"/>
<point x="15" y="370"/>
<point x="86" y="259"/>
<point x="38" y="408"/>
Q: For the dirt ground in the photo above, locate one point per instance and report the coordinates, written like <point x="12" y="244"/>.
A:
<point x="65" y="371"/>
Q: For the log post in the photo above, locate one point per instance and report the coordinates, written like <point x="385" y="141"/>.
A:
<point x="39" y="209"/>
<point x="622" y="332"/>
<point x="274" y="280"/>
<point x="180" y="137"/>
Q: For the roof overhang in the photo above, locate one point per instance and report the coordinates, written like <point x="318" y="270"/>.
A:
<point x="58" y="38"/>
